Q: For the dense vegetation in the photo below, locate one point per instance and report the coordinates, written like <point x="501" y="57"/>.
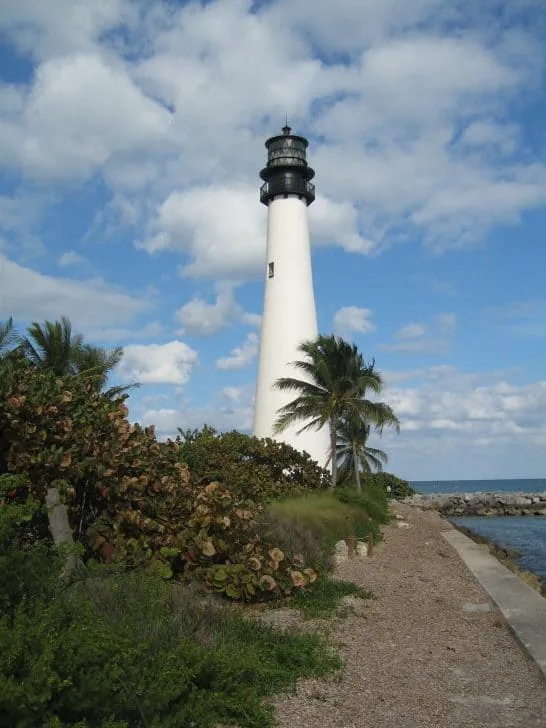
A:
<point x="129" y="650"/>
<point x="135" y="635"/>
<point x="256" y="468"/>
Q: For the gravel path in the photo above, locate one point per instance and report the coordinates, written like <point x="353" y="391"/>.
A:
<point x="415" y="657"/>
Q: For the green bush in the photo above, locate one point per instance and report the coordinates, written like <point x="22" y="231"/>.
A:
<point x="131" y="651"/>
<point x="26" y="564"/>
<point x="125" y="649"/>
<point x="399" y="488"/>
<point x="250" y="467"/>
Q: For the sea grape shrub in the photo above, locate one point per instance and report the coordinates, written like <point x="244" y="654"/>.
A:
<point x="222" y="548"/>
<point x="256" y="468"/>
<point x="144" y="514"/>
<point x="129" y="497"/>
<point x="63" y="434"/>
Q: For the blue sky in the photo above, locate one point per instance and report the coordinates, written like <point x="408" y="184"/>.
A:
<point x="131" y="137"/>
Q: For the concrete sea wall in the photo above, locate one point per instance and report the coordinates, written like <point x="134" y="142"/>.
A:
<point x="481" y="504"/>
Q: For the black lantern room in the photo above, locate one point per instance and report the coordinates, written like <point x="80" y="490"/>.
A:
<point x="287" y="172"/>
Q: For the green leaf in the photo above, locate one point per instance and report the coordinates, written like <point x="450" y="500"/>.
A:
<point x="232" y="592"/>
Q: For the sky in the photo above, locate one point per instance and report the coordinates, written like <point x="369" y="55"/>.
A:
<point x="131" y="139"/>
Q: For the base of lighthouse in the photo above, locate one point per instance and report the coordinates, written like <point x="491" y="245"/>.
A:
<point x="289" y="318"/>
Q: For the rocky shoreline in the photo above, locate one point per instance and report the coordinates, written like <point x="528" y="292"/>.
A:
<point x="481" y="504"/>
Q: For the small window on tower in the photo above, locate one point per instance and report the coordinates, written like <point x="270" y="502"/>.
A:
<point x="271" y="270"/>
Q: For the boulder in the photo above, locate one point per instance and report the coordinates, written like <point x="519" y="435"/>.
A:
<point x="341" y="552"/>
<point x="361" y="549"/>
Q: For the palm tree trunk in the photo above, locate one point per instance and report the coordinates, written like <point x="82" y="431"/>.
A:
<point x="333" y="451"/>
<point x="357" y="470"/>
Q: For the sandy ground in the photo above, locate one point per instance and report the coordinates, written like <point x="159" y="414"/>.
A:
<point x="417" y="656"/>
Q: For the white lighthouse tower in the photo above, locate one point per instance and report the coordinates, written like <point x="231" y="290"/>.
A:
<point x="289" y="315"/>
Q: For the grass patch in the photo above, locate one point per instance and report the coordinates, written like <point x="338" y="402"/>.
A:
<point x="328" y="517"/>
<point x="293" y="536"/>
<point x="324" y="597"/>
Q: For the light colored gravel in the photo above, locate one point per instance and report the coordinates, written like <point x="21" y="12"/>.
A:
<point x="417" y="656"/>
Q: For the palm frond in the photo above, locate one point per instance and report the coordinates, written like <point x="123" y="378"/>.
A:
<point x="290" y="384"/>
<point x="8" y="335"/>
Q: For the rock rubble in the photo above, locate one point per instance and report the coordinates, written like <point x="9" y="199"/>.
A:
<point x="481" y="504"/>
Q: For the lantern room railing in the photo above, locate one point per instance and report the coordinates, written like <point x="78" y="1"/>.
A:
<point x="287" y="186"/>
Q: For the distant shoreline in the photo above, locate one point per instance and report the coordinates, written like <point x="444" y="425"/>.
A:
<point x="525" y="485"/>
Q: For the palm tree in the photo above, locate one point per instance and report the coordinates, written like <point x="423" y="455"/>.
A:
<point x="52" y="345"/>
<point x="336" y="378"/>
<point x="93" y="362"/>
<point x="354" y="454"/>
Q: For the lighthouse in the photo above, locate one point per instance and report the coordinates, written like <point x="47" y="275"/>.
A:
<point x="289" y="313"/>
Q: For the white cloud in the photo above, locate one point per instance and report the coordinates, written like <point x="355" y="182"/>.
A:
<point x="483" y="410"/>
<point x="417" y="346"/>
<point x="205" y="319"/>
<point x="416" y="338"/>
<point x="441" y="67"/>
<point x="351" y="319"/>
<point x="359" y="25"/>
<point x="471" y="402"/>
<point x="29" y="295"/>
<point x="71" y="257"/>
<point x="516" y="310"/>
<point x="504" y="138"/>
<point x="525" y="318"/>
<point x="231" y="409"/>
<point x="479" y="425"/>
<point x="337" y="223"/>
<point x="83" y="110"/>
<point x="59" y="26"/>
<point x="160" y="125"/>
<point x="222" y="229"/>
<point x="411" y="331"/>
<point x="120" y="335"/>
<point x="241" y="356"/>
<point x="170" y="363"/>
<point x="252" y="319"/>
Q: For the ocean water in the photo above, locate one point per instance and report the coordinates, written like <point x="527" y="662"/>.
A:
<point x="525" y="534"/>
<point x="523" y="485"/>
